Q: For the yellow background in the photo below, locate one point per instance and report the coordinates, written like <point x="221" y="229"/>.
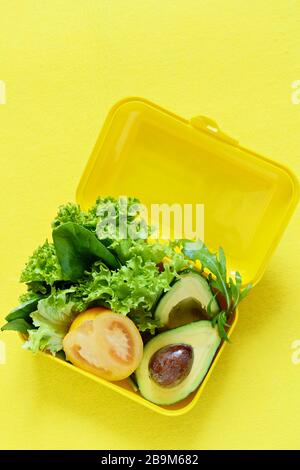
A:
<point x="64" y="64"/>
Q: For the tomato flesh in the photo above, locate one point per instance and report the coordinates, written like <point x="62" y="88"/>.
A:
<point x="104" y="343"/>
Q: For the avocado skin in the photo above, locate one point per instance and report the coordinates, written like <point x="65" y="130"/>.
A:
<point x="202" y="337"/>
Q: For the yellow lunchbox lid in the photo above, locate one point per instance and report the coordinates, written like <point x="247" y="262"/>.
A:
<point x="146" y="151"/>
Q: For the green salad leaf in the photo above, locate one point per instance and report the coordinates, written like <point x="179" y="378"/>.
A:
<point x="42" y="267"/>
<point x="19" y="324"/>
<point x="105" y="207"/>
<point x="135" y="287"/>
<point x="77" y="248"/>
<point x="52" y="320"/>
<point x="144" y="321"/>
<point x="117" y="216"/>
<point x="221" y="321"/>
<point x="23" y="310"/>
<point x="153" y="251"/>
<point x="72" y="212"/>
<point x="216" y="263"/>
<point x="19" y="318"/>
<point x="229" y="288"/>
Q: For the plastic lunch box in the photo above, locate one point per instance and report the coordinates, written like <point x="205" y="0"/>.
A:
<point x="146" y="151"/>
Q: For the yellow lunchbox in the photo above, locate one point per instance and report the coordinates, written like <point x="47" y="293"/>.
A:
<point x="146" y="151"/>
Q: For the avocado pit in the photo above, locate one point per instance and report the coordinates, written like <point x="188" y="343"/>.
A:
<point x="170" y="365"/>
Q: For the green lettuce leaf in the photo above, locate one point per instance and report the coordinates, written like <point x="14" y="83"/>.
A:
<point x="72" y="212"/>
<point x="42" y="267"/>
<point x="134" y="288"/>
<point x="154" y="251"/>
<point x="144" y="320"/>
<point x="89" y="219"/>
<point x="116" y="215"/>
<point x="30" y="295"/>
<point x="52" y="320"/>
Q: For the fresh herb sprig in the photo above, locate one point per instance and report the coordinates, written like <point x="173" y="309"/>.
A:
<point x="230" y="288"/>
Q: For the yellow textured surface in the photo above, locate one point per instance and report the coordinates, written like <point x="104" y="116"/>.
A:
<point x="64" y="64"/>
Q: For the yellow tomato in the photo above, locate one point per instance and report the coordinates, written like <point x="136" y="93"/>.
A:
<point x="89" y="314"/>
<point x="104" y="343"/>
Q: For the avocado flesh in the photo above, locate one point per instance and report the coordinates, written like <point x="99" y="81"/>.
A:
<point x="186" y="302"/>
<point x="186" y="311"/>
<point x="203" y="339"/>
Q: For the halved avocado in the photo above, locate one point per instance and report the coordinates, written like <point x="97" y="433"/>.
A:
<point x="186" y="301"/>
<point x="175" y="362"/>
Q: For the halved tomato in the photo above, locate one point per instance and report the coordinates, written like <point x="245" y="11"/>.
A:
<point x="104" y="343"/>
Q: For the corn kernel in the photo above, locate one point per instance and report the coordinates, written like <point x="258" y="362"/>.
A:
<point x="198" y="264"/>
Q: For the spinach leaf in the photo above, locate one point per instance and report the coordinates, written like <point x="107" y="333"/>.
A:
<point x="23" y="310"/>
<point x="77" y="248"/>
<point x="19" y="324"/>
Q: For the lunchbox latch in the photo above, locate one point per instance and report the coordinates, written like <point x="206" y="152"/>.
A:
<point x="209" y="126"/>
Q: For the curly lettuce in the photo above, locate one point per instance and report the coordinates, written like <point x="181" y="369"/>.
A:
<point x="105" y="208"/>
<point x="134" y="289"/>
<point x="42" y="267"/>
<point x="52" y="320"/>
<point x="72" y="212"/>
